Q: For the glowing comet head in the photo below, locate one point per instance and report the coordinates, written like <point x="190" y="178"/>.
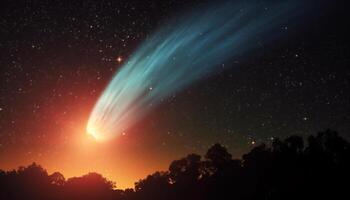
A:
<point x="94" y="132"/>
<point x="99" y="132"/>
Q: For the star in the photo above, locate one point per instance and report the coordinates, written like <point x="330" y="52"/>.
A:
<point x="119" y="59"/>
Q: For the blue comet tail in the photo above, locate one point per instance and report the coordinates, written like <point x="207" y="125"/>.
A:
<point x="183" y="51"/>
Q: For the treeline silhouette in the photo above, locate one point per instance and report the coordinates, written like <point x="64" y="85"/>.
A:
<point x="283" y="170"/>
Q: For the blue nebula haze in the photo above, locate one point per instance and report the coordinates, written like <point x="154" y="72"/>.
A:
<point x="186" y="49"/>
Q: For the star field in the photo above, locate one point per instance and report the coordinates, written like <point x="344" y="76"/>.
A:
<point x="56" y="58"/>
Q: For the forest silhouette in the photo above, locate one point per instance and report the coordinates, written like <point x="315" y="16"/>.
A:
<point x="285" y="169"/>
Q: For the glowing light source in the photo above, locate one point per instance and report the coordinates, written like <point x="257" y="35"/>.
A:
<point x="93" y="131"/>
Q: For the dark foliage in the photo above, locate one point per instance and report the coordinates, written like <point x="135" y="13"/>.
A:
<point x="286" y="170"/>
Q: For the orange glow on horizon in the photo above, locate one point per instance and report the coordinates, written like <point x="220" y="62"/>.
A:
<point x="117" y="160"/>
<point x="70" y="150"/>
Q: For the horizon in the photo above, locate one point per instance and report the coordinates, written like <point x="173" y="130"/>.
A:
<point x="124" y="88"/>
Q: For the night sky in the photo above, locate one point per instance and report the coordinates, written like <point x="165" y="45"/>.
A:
<point x="56" y="58"/>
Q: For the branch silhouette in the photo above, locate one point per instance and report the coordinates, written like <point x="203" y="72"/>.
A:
<point x="287" y="169"/>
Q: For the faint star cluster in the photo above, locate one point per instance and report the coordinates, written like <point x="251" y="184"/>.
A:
<point x="57" y="57"/>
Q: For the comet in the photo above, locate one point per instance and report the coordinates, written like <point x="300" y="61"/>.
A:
<point x="184" y="50"/>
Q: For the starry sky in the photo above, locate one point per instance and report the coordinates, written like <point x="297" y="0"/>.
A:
<point x="56" y="58"/>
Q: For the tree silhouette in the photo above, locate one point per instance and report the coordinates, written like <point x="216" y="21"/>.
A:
<point x="90" y="186"/>
<point x="57" y="179"/>
<point x="288" y="169"/>
<point x="155" y="186"/>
